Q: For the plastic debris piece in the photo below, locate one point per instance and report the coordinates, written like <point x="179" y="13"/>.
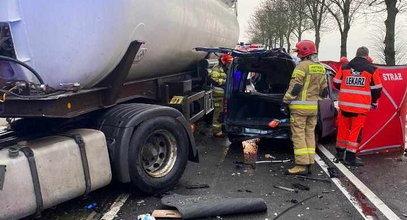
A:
<point x="269" y="156"/>
<point x="166" y="214"/>
<point x="273" y="161"/>
<point x="145" y="217"/>
<point x="91" y="206"/>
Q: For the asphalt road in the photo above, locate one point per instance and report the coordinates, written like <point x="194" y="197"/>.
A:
<point x="385" y="175"/>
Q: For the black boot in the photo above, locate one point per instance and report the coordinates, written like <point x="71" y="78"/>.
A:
<point x="340" y="154"/>
<point x="352" y="160"/>
<point x="309" y="168"/>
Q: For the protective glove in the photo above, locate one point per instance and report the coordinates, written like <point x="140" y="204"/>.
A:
<point x="284" y="108"/>
<point x="375" y="106"/>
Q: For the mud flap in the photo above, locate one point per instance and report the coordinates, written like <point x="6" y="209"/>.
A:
<point x="2" y="175"/>
<point x="212" y="205"/>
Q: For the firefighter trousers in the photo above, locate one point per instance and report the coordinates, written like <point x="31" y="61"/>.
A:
<point x="349" y="131"/>
<point x="303" y="137"/>
<point x="218" y="95"/>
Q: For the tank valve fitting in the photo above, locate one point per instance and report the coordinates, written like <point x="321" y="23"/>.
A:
<point x="13" y="151"/>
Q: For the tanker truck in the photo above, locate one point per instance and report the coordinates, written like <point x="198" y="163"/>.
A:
<point x="96" y="91"/>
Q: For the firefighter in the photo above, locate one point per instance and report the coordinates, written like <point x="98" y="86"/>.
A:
<point x="218" y="79"/>
<point x="359" y="88"/>
<point x="308" y="84"/>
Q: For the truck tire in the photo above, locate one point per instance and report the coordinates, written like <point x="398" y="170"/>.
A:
<point x="158" y="154"/>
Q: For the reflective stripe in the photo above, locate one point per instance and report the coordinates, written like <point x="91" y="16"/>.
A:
<point x="298" y="72"/>
<point x="354" y="91"/>
<point x="304" y="103"/>
<point x="355" y="144"/>
<point x="340" y="145"/>
<point x="341" y="141"/>
<point x="305" y="88"/>
<point x="352" y="150"/>
<point x="311" y="150"/>
<point x="301" y="151"/>
<point x="337" y="80"/>
<point x="304" y="107"/>
<point x="352" y="143"/>
<point x="357" y="105"/>
<point x="304" y="151"/>
<point x="377" y="86"/>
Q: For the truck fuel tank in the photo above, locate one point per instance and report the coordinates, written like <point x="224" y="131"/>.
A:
<point x="42" y="173"/>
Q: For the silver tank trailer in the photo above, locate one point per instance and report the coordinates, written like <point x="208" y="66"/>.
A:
<point x="81" y="41"/>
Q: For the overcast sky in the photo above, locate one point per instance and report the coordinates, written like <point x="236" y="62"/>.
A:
<point x="360" y="34"/>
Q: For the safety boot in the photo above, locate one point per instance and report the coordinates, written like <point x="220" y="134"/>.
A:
<point x="298" y="170"/>
<point x="352" y="160"/>
<point x="340" y="154"/>
<point x="309" y="167"/>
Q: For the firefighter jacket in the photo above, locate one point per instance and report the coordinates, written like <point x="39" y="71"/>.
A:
<point x="218" y="76"/>
<point x="359" y="85"/>
<point x="308" y="85"/>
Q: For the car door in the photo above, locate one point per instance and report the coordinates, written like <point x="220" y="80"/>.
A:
<point x="326" y="108"/>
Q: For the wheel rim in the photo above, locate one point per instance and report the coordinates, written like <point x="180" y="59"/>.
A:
<point x="159" y="153"/>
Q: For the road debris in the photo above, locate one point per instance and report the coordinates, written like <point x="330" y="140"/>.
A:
<point x="294" y="201"/>
<point x="286" y="188"/>
<point x="333" y="172"/>
<point x="269" y="156"/>
<point x="141" y="202"/>
<point x="213" y="205"/>
<point x="91" y="206"/>
<point x="145" y="217"/>
<point x="166" y="214"/>
<point x="273" y="161"/>
<point x="313" y="178"/>
<point x="250" y="149"/>
<point x="301" y="187"/>
<point x="197" y="186"/>
<point x="293" y="206"/>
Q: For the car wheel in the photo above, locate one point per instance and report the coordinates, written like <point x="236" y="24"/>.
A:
<point x="158" y="154"/>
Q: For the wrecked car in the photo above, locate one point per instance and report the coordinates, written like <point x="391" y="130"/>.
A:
<point x="255" y="87"/>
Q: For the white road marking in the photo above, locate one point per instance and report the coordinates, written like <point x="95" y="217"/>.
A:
<point x="115" y="207"/>
<point x="375" y="200"/>
<point x="338" y="183"/>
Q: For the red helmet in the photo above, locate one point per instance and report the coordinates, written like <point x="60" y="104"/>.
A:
<point x="369" y="59"/>
<point x="344" y="60"/>
<point x="226" y="59"/>
<point x="305" y="48"/>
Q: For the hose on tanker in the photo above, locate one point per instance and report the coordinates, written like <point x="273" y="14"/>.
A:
<point x="4" y="58"/>
<point x="10" y="92"/>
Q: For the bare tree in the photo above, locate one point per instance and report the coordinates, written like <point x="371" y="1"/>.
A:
<point x="379" y="54"/>
<point x="317" y="13"/>
<point x="343" y="12"/>
<point x="392" y="7"/>
<point x="276" y="21"/>
<point x="298" y="12"/>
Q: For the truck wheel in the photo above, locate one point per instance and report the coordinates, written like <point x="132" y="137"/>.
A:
<point x="158" y="154"/>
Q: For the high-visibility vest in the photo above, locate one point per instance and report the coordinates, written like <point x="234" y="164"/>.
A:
<point x="356" y="87"/>
<point x="307" y="83"/>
